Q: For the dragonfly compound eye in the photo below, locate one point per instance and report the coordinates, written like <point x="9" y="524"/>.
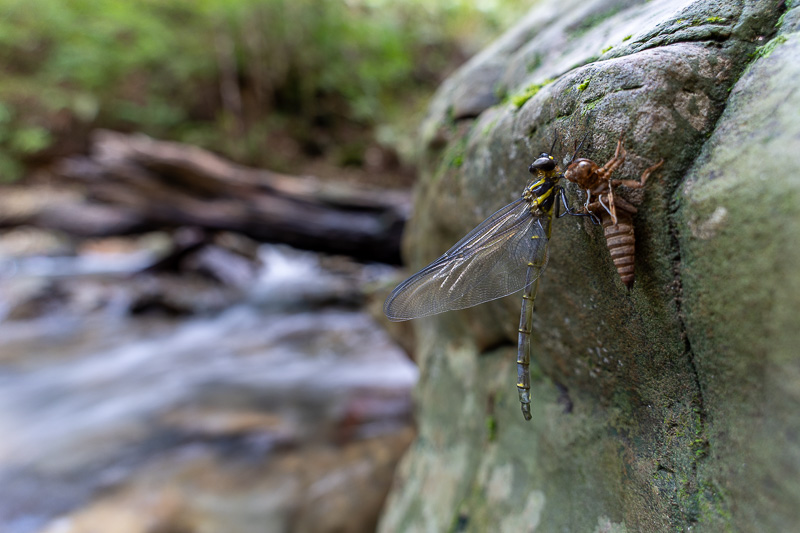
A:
<point x="543" y="162"/>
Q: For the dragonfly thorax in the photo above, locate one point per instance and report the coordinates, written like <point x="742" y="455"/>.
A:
<point x="540" y="195"/>
<point x="540" y="192"/>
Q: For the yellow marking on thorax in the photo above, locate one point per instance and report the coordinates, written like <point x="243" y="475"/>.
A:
<point x="539" y="199"/>
<point x="529" y="188"/>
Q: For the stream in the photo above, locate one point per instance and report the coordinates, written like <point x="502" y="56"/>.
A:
<point x="226" y="421"/>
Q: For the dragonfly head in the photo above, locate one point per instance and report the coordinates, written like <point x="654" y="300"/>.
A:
<point x="543" y="164"/>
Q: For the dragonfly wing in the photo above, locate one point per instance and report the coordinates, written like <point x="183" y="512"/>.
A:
<point x="490" y="262"/>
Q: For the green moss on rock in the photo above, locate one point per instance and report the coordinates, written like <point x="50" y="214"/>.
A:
<point x="530" y="91"/>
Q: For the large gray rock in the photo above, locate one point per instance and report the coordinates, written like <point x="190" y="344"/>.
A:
<point x="669" y="406"/>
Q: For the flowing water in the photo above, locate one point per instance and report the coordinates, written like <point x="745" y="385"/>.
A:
<point x="86" y="399"/>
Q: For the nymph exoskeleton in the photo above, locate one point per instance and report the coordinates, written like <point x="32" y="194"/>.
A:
<point x="614" y="212"/>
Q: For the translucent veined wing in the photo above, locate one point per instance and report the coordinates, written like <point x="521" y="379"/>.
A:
<point x="490" y="262"/>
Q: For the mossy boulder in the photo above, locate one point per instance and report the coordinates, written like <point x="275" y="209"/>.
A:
<point x="668" y="406"/>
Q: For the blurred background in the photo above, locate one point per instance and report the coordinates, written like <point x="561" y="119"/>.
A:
<point x="201" y="205"/>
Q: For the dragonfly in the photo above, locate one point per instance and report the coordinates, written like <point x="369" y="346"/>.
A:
<point x="504" y="254"/>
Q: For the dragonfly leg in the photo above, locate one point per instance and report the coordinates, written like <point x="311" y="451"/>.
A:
<point x="567" y="209"/>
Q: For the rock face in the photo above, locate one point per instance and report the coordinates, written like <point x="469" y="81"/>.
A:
<point x="669" y="406"/>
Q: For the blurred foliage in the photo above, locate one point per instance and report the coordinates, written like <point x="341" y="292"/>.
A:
<point x="257" y="80"/>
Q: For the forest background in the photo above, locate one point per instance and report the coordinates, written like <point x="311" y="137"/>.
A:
<point x="294" y="86"/>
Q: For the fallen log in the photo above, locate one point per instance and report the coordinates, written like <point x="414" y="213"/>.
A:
<point x="132" y="183"/>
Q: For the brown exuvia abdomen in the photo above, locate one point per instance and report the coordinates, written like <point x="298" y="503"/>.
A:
<point x="621" y="244"/>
